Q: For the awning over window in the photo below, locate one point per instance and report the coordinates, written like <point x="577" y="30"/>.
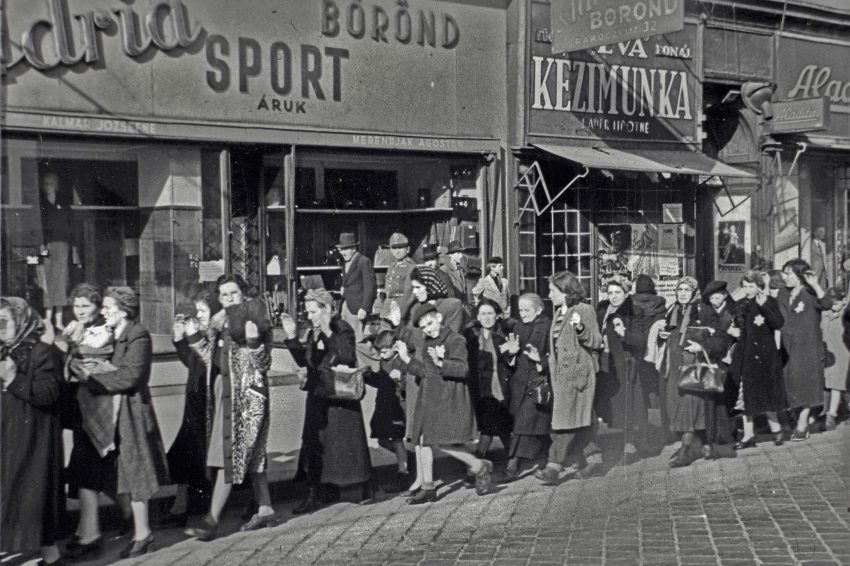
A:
<point x="683" y="162"/>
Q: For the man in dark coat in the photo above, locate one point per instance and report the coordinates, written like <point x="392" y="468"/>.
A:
<point x="359" y="287"/>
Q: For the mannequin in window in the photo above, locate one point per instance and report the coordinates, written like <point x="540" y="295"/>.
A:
<point x="819" y="258"/>
<point x="57" y="247"/>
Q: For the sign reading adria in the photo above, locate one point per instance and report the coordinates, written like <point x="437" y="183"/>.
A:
<point x="582" y="24"/>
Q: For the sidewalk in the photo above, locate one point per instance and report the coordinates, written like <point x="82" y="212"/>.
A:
<point x="770" y="505"/>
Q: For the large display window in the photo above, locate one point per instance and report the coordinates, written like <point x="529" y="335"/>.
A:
<point x="108" y="214"/>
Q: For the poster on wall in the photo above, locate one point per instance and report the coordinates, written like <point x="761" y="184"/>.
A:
<point x="629" y="250"/>
<point x="731" y="254"/>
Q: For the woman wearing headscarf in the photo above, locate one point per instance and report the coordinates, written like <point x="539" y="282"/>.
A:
<point x="716" y="315"/>
<point x="32" y="496"/>
<point x="238" y="404"/>
<point x="574" y="342"/>
<point x="622" y="402"/>
<point x="140" y="462"/>
<point x="686" y="410"/>
<point x="187" y="455"/>
<point x="334" y="448"/>
<point x="756" y="370"/>
<point x="801" y="303"/>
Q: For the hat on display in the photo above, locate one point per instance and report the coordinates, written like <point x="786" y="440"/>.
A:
<point x="398" y="240"/>
<point x="455" y="246"/>
<point x="716" y="286"/>
<point x="422" y="310"/>
<point x="430" y="251"/>
<point x="346" y="240"/>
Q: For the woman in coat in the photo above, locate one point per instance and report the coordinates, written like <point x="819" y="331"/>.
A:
<point x="443" y="420"/>
<point x="574" y="341"/>
<point x="801" y="304"/>
<point x="140" y="462"/>
<point x="686" y="409"/>
<point x="31" y="488"/>
<point x="528" y="346"/>
<point x="835" y="373"/>
<point x="756" y="371"/>
<point x="238" y="404"/>
<point x="187" y="455"/>
<point x="715" y="313"/>
<point x="622" y="400"/>
<point x="334" y="448"/>
<point x="488" y="376"/>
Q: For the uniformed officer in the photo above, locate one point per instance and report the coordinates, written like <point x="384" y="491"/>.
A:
<point x="397" y="281"/>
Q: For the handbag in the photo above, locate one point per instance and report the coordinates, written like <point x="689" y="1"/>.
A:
<point x="348" y="384"/>
<point x="700" y="377"/>
<point x="542" y="394"/>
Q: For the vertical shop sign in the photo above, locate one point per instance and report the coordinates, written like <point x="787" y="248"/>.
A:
<point x="583" y="24"/>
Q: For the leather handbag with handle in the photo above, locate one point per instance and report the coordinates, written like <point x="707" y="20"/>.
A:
<point x="701" y="376"/>
<point x="348" y="383"/>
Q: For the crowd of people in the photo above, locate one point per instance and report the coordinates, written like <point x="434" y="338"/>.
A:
<point x="450" y="366"/>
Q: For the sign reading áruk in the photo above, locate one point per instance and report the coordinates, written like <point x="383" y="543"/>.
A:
<point x="582" y="24"/>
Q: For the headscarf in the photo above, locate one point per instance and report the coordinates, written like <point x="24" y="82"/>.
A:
<point x="320" y="296"/>
<point x="27" y="321"/>
<point x="434" y="284"/>
<point x="689" y="281"/>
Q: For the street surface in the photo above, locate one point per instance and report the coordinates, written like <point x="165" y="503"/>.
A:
<point x="770" y="505"/>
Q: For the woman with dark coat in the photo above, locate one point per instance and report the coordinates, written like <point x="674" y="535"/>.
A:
<point x="529" y="351"/>
<point x="334" y="447"/>
<point x="488" y="376"/>
<point x="140" y="463"/>
<point x="756" y="370"/>
<point x="801" y="303"/>
<point x="622" y="402"/>
<point x="31" y="487"/>
<point x="715" y="313"/>
<point x="187" y="455"/>
<point x="685" y="408"/>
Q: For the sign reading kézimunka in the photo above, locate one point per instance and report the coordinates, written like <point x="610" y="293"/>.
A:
<point x="810" y="69"/>
<point x="643" y="89"/>
<point x="583" y="24"/>
<point x="423" y="68"/>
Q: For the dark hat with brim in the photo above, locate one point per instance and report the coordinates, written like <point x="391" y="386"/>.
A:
<point x="456" y="246"/>
<point x="422" y="310"/>
<point x="346" y="240"/>
<point x="716" y="286"/>
<point x="430" y="251"/>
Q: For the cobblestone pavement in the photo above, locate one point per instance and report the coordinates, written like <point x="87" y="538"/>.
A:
<point x="770" y="505"/>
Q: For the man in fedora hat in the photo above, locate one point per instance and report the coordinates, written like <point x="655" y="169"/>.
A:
<point x="397" y="281"/>
<point x="456" y="270"/>
<point x="359" y="287"/>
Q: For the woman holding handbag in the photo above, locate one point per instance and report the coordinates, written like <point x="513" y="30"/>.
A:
<point x="756" y="370"/>
<point x="686" y="409"/>
<point x="574" y="340"/>
<point x="334" y="449"/>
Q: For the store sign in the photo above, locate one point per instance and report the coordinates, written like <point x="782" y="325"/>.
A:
<point x="638" y="89"/>
<point x="817" y="70"/>
<point x="353" y="65"/>
<point x="583" y="24"/>
<point x="804" y="115"/>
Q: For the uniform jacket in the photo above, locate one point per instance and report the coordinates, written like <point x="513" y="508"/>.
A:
<point x="359" y="288"/>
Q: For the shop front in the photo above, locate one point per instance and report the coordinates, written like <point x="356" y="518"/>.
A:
<point x="610" y="170"/>
<point x="159" y="145"/>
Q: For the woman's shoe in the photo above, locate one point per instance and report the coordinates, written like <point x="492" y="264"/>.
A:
<point x="484" y="478"/>
<point x="424" y="496"/>
<point x="799" y="435"/>
<point x="744" y="444"/>
<point x="309" y="504"/>
<point x="548" y="476"/>
<point x="830" y="422"/>
<point x="779" y="438"/>
<point x="76" y="550"/>
<point x="685" y="457"/>
<point x="207" y="531"/>
<point x="174" y="521"/>
<point x="258" y="521"/>
<point x="411" y="491"/>
<point x="137" y="547"/>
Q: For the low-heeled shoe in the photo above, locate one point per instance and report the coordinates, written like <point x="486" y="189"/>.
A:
<point x="423" y="496"/>
<point x="76" y="550"/>
<point x="744" y="444"/>
<point x="258" y="521"/>
<point x="137" y="547"/>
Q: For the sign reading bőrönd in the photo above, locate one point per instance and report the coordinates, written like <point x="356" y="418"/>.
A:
<point x="357" y="65"/>
<point x="643" y="89"/>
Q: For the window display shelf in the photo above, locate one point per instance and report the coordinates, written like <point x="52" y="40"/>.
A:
<point x="318" y="268"/>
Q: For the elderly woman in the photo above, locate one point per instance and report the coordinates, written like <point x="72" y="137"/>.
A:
<point x="623" y="399"/>
<point x="334" y="448"/>
<point x="187" y="455"/>
<point x="574" y="340"/>
<point x="239" y="405"/>
<point x="686" y="410"/>
<point x="140" y="462"/>
<point x="756" y="369"/>
<point x="528" y="348"/>
<point x="801" y="303"/>
<point x="31" y="443"/>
